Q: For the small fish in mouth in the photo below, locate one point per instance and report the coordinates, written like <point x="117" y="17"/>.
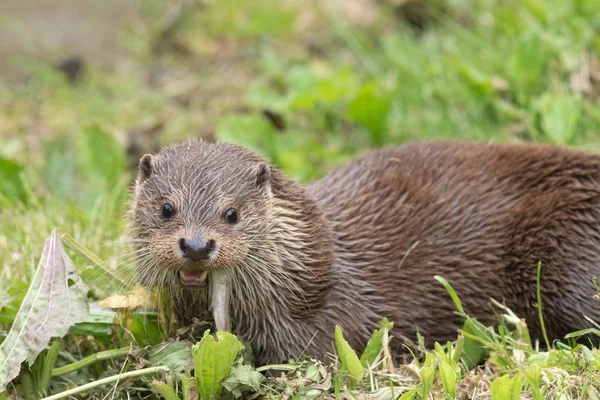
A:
<point x="193" y="278"/>
<point x="220" y="292"/>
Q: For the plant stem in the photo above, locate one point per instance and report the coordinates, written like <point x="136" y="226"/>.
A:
<point x="110" y="379"/>
<point x="385" y="343"/>
<point x="539" y="304"/>
<point x="189" y="387"/>
<point x="282" y="367"/>
<point x="67" y="356"/>
<point x="48" y="366"/>
<point x="27" y="389"/>
<point x="84" y="362"/>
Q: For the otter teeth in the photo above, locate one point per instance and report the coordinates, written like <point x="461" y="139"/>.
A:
<point x="193" y="278"/>
<point x="203" y="276"/>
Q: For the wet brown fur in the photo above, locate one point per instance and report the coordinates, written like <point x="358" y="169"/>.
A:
<point x="365" y="241"/>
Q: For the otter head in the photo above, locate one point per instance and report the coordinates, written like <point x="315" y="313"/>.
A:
<point x="197" y="208"/>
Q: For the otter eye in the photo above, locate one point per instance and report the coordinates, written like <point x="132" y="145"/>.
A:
<point x="167" y="211"/>
<point x="231" y="216"/>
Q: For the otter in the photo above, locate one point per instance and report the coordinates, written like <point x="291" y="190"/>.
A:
<point x="280" y="264"/>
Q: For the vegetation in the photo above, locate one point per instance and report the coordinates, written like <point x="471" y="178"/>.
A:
<point x="309" y="85"/>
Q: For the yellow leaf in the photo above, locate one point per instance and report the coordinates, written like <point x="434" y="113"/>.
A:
<point x="137" y="298"/>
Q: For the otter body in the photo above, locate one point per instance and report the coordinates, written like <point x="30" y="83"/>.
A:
<point x="365" y="241"/>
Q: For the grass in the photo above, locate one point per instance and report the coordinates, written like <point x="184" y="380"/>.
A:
<point x="310" y="86"/>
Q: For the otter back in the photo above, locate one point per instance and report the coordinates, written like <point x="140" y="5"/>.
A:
<point x="482" y="216"/>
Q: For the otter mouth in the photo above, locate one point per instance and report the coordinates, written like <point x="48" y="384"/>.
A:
<point x="193" y="279"/>
<point x="220" y="292"/>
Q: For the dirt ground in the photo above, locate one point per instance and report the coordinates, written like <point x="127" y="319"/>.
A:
<point x="54" y="29"/>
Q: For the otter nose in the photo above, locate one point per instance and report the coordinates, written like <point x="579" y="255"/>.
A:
<point x="196" y="249"/>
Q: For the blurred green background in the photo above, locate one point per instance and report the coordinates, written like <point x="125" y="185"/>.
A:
<point x="88" y="86"/>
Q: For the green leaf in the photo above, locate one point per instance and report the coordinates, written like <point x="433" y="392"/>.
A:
<point x="102" y="161"/>
<point x="262" y="95"/>
<point x="175" y="355"/>
<point x="303" y="88"/>
<point x="408" y="395"/>
<point x="526" y="65"/>
<point x="479" y="81"/>
<point x="448" y="378"/>
<point x="145" y="327"/>
<point x="61" y="176"/>
<point x="583" y="332"/>
<point x="439" y="352"/>
<point x="370" y="108"/>
<point x="474" y="352"/>
<point x="458" y="350"/>
<point x="213" y="361"/>
<point x="501" y="388"/>
<point x="99" y="324"/>
<point x="348" y="357"/>
<point x="55" y="301"/>
<point x="242" y="379"/>
<point x="164" y="390"/>
<point x="559" y="116"/>
<point x="427" y="376"/>
<point x="505" y="388"/>
<point x="337" y="86"/>
<point x="100" y="155"/>
<point x="14" y="292"/>
<point x="537" y="9"/>
<point x="374" y="346"/>
<point x="11" y="186"/>
<point x="251" y="131"/>
<point x="516" y="386"/>
<point x="533" y="375"/>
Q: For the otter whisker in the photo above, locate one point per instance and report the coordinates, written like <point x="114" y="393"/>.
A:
<point x="125" y="243"/>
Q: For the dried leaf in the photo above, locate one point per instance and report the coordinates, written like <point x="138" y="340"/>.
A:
<point x="55" y="301"/>
<point x="137" y="298"/>
<point x="580" y="81"/>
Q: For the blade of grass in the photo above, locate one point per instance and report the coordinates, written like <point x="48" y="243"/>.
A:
<point x="452" y="294"/>
<point x="539" y="304"/>
<point x="104" y="381"/>
<point x="91" y="257"/>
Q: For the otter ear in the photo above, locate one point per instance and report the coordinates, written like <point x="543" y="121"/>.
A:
<point x="145" y="169"/>
<point x="263" y="174"/>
